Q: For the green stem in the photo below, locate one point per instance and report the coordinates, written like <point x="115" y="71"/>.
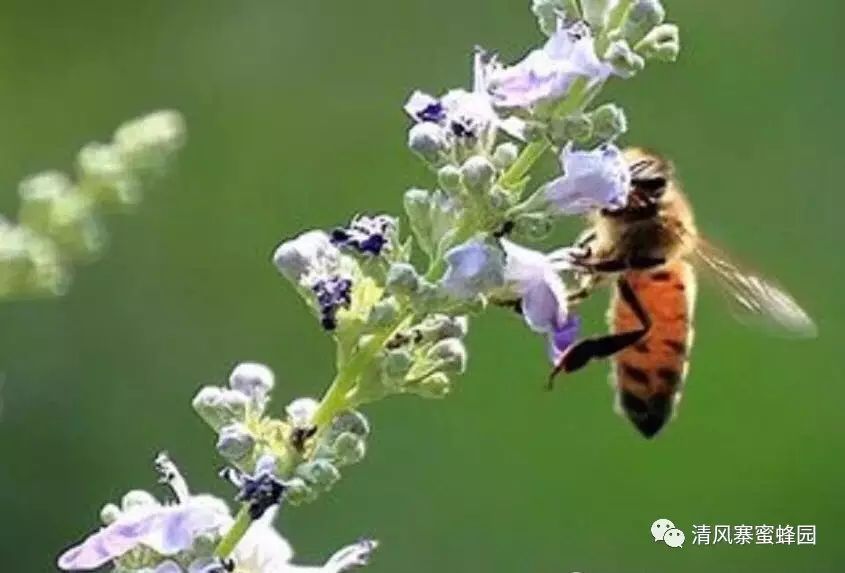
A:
<point x="529" y="156"/>
<point x="575" y="100"/>
<point x="235" y="533"/>
<point x="334" y="399"/>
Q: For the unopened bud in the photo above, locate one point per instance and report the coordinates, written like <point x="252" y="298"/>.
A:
<point x="430" y="297"/>
<point x="137" y="498"/>
<point x="402" y="279"/>
<point x="220" y="407"/>
<point x="298" y="492"/>
<point x="450" y="354"/>
<point x="662" y="44"/>
<point x="349" y="449"/>
<point x="642" y="17"/>
<point x="351" y="421"/>
<point x="253" y="380"/>
<point x="573" y="127"/>
<point x="436" y="385"/>
<point x="440" y="326"/>
<point x="383" y="313"/>
<point x="501" y="200"/>
<point x="397" y="363"/>
<point x="109" y="513"/>
<point x="428" y="140"/>
<point x="296" y="257"/>
<point x="624" y="60"/>
<point x="449" y="178"/>
<point x="301" y="411"/>
<point x="321" y="474"/>
<point x="549" y="13"/>
<point x="609" y="122"/>
<point x="235" y="442"/>
<point x="478" y="174"/>
<point x="505" y="155"/>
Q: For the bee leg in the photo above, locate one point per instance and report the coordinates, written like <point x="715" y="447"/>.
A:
<point x="578" y="295"/>
<point x="579" y="354"/>
<point x="586" y="239"/>
<point x="631" y="263"/>
<point x="586" y="285"/>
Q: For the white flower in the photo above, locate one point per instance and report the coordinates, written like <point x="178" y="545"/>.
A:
<point x="597" y="179"/>
<point x="263" y="550"/>
<point x="547" y="74"/>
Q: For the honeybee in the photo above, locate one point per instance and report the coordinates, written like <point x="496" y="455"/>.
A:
<point x="651" y="248"/>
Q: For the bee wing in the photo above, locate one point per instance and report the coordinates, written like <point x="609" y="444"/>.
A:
<point x="755" y="300"/>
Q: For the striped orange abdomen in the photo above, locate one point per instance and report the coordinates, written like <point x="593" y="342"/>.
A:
<point x="649" y="375"/>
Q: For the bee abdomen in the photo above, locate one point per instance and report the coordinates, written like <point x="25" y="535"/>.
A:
<point x="649" y="375"/>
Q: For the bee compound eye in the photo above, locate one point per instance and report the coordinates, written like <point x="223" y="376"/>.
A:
<point x="652" y="186"/>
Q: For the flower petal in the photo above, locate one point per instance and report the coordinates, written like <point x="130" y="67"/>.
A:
<point x="355" y="555"/>
<point x="474" y="268"/>
<point x="544" y="304"/>
<point x="563" y="337"/>
<point x="164" y="529"/>
<point x="548" y="73"/>
<point x="263" y="549"/>
<point x="112" y="541"/>
<point x="596" y="179"/>
<point x="424" y="107"/>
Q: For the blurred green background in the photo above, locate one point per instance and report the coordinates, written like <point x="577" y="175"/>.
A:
<point x="295" y="121"/>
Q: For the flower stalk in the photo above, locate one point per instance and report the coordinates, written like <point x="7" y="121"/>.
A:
<point x="397" y="329"/>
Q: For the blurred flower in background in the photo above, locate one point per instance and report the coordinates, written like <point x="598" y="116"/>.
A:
<point x="60" y="220"/>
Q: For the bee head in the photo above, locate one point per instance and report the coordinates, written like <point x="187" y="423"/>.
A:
<point x="650" y="176"/>
<point x="650" y="184"/>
